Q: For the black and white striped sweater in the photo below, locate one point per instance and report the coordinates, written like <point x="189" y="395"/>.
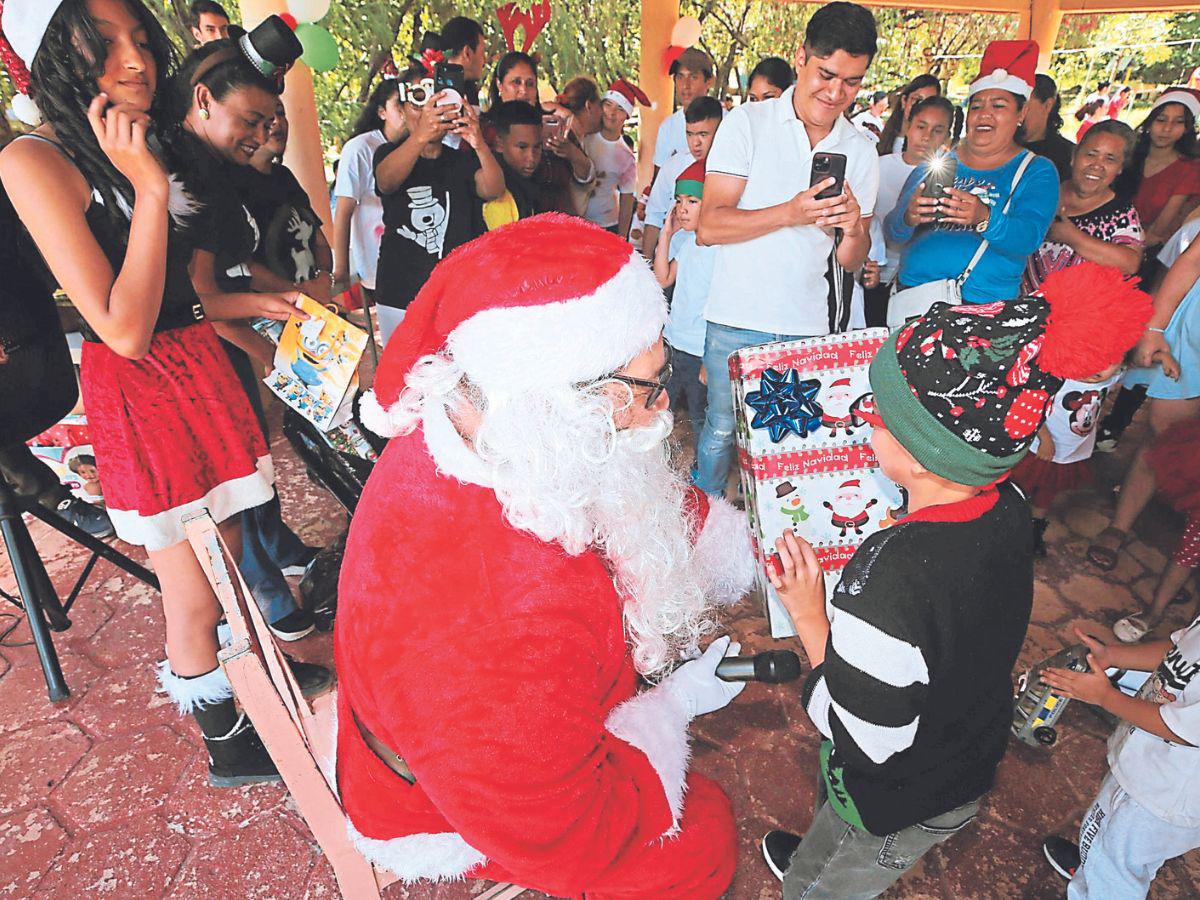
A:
<point x="915" y="692"/>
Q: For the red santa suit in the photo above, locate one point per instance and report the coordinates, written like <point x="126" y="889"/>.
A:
<point x="493" y="662"/>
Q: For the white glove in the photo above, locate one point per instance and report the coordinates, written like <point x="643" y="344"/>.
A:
<point x="696" y="685"/>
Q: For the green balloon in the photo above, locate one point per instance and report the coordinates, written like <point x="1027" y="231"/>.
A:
<point x="320" y="49"/>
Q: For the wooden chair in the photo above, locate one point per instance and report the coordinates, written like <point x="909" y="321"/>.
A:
<point x="297" y="732"/>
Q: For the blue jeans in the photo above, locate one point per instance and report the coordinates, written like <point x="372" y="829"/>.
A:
<point x="714" y="452"/>
<point x="685" y="387"/>
<point x="267" y="543"/>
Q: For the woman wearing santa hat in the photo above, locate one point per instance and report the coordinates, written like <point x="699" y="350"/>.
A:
<point x="172" y="431"/>
<point x="1164" y="176"/>
<point x="1003" y="199"/>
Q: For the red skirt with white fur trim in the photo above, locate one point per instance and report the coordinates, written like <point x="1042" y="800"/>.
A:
<point x="173" y="433"/>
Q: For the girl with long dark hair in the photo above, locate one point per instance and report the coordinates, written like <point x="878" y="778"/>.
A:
<point x="171" y="429"/>
<point x="1164" y="176"/>
<point x="358" y="211"/>
<point x="892" y="138"/>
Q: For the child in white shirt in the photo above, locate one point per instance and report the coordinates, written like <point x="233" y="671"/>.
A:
<point x="1148" y="808"/>
<point x="680" y="261"/>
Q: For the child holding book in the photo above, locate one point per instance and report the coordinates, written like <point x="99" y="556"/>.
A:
<point x="680" y="261"/>
<point x="912" y="680"/>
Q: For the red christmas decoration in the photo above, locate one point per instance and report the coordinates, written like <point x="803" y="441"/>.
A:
<point x="533" y="20"/>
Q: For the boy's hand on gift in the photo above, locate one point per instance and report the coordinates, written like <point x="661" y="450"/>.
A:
<point x="797" y="577"/>
<point x="1090" y="687"/>
<point x="1100" y="651"/>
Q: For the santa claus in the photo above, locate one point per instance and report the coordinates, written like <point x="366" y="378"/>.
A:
<point x="848" y="512"/>
<point x="521" y="554"/>
<point x="837" y="413"/>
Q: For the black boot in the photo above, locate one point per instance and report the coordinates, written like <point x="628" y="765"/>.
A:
<point x="1039" y="536"/>
<point x="236" y="754"/>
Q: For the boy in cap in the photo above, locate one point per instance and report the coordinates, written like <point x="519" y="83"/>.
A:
<point x="611" y="201"/>
<point x="680" y="261"/>
<point x="911" y="682"/>
<point x="693" y="75"/>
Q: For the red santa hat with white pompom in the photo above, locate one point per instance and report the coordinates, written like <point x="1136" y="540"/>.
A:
<point x="626" y="95"/>
<point x="590" y="306"/>
<point x="1008" y="66"/>
<point x="23" y="25"/>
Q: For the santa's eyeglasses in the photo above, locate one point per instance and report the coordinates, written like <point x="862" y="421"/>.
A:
<point x="657" y="386"/>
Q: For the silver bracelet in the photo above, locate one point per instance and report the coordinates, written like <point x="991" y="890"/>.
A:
<point x="1159" y="330"/>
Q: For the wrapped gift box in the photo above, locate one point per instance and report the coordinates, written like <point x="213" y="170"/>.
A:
<point x="804" y="452"/>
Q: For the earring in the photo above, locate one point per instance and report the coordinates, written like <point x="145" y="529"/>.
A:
<point x="204" y="114"/>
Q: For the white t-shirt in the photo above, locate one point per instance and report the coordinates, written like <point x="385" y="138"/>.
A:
<point x="1180" y="241"/>
<point x="776" y="283"/>
<point x="662" y="192"/>
<point x="1162" y="776"/>
<point x="686" y="326"/>
<point x="1073" y="418"/>
<point x="863" y="122"/>
<point x="356" y="180"/>
<point x="616" y="174"/>
<point x="672" y="138"/>
<point x="893" y="172"/>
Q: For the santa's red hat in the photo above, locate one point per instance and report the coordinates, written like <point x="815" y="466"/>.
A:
<point x="626" y="95"/>
<point x="549" y="300"/>
<point x="1009" y="66"/>
<point x="1185" y="97"/>
<point x="841" y="382"/>
<point x="23" y="25"/>
<point x="853" y="482"/>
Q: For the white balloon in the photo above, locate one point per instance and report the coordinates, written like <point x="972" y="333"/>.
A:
<point x="308" y="10"/>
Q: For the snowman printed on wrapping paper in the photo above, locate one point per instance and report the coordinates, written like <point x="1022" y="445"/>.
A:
<point x="793" y="505"/>
<point x="837" y="413"/>
<point x="429" y="218"/>
<point x="848" y="512"/>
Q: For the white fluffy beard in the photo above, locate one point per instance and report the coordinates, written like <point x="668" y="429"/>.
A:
<point x="563" y="472"/>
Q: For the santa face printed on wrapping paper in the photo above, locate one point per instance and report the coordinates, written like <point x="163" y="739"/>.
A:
<point x="833" y="508"/>
<point x="974" y="367"/>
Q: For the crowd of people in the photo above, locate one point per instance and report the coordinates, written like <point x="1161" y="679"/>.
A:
<point x="153" y="193"/>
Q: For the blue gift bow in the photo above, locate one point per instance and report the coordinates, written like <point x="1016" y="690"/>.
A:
<point x="785" y="404"/>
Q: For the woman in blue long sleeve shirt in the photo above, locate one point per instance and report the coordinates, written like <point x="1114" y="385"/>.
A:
<point x="988" y="158"/>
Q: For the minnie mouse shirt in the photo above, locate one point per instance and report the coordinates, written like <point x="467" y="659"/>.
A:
<point x="1073" y="417"/>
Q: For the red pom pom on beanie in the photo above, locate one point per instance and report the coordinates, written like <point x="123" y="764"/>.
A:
<point x="1096" y="315"/>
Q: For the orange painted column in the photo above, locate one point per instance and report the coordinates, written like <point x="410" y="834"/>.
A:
<point x="305" y="153"/>
<point x="658" y="18"/>
<point x="1041" y="22"/>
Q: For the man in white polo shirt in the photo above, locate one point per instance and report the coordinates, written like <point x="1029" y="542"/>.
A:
<point x="775" y="237"/>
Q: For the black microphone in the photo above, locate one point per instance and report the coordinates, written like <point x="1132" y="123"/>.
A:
<point x="772" y="667"/>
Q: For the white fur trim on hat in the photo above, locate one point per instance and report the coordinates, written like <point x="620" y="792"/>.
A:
<point x="416" y="857"/>
<point x="190" y="694"/>
<point x="621" y="100"/>
<point x="723" y="555"/>
<point x="25" y="23"/>
<point x="656" y="723"/>
<point x="26" y="110"/>
<point x="1000" y="79"/>
<point x="512" y="349"/>
<point x="1184" y="98"/>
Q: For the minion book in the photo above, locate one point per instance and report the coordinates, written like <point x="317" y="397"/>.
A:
<point x="316" y="365"/>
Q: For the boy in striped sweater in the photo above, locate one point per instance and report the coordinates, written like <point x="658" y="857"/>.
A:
<point x="911" y="682"/>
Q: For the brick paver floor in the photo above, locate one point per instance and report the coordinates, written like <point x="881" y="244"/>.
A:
<point x="105" y="794"/>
